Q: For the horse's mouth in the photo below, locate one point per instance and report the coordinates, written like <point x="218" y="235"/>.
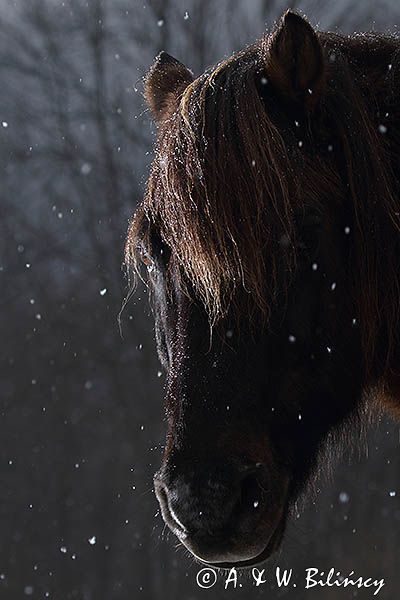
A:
<point x="272" y="546"/>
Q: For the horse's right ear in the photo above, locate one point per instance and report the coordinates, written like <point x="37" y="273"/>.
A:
<point x="294" y="60"/>
<point x="165" y="81"/>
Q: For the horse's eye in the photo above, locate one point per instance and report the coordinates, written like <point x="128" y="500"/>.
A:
<point x="145" y="258"/>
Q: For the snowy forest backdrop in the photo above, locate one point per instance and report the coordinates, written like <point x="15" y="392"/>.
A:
<point x="81" y="421"/>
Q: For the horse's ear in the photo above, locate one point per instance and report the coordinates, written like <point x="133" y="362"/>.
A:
<point x="295" y="64"/>
<point x="166" y="79"/>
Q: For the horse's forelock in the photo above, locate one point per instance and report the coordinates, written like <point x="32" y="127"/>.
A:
<point x="219" y="188"/>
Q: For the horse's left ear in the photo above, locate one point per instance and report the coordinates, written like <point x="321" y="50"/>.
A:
<point x="294" y="60"/>
<point x="165" y="81"/>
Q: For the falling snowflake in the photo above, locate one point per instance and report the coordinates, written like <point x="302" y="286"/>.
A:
<point x="86" y="168"/>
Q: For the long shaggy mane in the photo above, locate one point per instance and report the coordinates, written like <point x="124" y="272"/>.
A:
<point x="229" y="178"/>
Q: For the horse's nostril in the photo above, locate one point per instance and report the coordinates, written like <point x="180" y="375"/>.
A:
<point x="251" y="493"/>
<point x="168" y="514"/>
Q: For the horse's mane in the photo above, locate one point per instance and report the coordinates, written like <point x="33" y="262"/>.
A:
<point x="229" y="179"/>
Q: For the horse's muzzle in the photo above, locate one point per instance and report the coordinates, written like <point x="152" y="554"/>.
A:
<point x="224" y="516"/>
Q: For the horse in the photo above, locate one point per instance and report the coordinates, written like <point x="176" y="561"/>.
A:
<point x="270" y="230"/>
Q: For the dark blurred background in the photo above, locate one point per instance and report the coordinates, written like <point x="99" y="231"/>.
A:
<point x="81" y="418"/>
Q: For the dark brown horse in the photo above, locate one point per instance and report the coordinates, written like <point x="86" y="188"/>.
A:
<point x="271" y="232"/>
